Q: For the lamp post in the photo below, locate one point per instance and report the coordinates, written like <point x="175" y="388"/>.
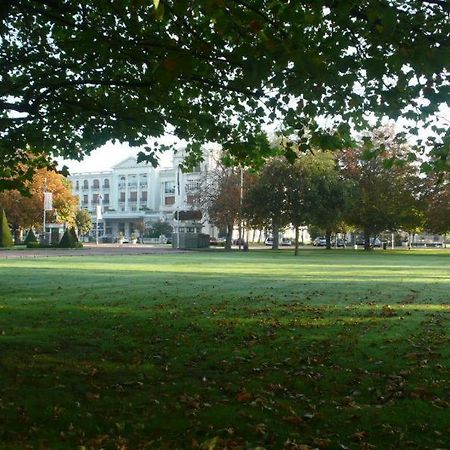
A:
<point x="241" y="193"/>
<point x="98" y="216"/>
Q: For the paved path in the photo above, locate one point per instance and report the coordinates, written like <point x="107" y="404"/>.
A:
<point x="88" y="250"/>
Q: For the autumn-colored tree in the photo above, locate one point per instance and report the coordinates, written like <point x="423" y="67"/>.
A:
<point x="437" y="202"/>
<point x="383" y="191"/>
<point x="27" y="211"/>
<point x="219" y="198"/>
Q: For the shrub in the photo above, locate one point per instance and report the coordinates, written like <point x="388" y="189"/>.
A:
<point x="33" y="244"/>
<point x="31" y="237"/>
<point x="69" y="239"/>
<point x="6" y="239"/>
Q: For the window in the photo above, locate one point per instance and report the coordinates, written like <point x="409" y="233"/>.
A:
<point x="133" y="196"/>
<point x="85" y="184"/>
<point x="85" y="199"/>
<point x="96" y="184"/>
<point x="169" y="187"/>
<point x="95" y="199"/>
<point x="77" y="185"/>
<point x="122" y="197"/>
<point x="190" y="199"/>
<point x="106" y="183"/>
<point x="143" y="196"/>
<point x="192" y="185"/>
<point x="169" y="200"/>
<point x="106" y="199"/>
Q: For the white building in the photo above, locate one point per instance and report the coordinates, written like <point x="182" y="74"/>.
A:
<point x="132" y="193"/>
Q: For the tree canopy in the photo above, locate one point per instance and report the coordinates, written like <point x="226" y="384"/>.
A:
<point x="75" y="75"/>
<point x="27" y="211"/>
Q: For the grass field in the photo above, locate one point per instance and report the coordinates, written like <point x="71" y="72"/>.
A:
<point x="329" y="350"/>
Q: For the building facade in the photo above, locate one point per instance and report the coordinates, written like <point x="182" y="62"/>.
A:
<point x="133" y="194"/>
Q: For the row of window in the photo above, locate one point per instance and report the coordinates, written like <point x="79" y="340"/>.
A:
<point x="169" y="186"/>
<point x="95" y="184"/>
<point x="191" y="186"/>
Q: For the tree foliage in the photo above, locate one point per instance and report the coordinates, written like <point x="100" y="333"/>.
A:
<point x="83" y="221"/>
<point x="158" y="228"/>
<point x="212" y="70"/>
<point x="69" y="239"/>
<point x="6" y="239"/>
<point x="266" y="202"/>
<point x="27" y="211"/>
<point x="437" y="201"/>
<point x="219" y="197"/>
<point x="309" y="191"/>
<point x="384" y="196"/>
<point x="327" y="195"/>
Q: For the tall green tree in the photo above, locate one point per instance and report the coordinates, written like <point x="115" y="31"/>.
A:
<point x="328" y="196"/>
<point x="211" y="70"/>
<point x="266" y="200"/>
<point x="6" y="239"/>
<point x="83" y="222"/>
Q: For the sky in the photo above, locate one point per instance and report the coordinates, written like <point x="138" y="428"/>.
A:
<point x="107" y="156"/>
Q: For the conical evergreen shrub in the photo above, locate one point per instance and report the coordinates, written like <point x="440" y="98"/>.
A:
<point x="31" y="237"/>
<point x="6" y="239"/>
<point x="69" y="239"/>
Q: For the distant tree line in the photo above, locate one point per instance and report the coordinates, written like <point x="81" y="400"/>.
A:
<point x="371" y="188"/>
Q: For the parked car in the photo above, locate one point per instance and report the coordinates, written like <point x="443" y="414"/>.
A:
<point x="374" y="242"/>
<point x="285" y="242"/>
<point x="213" y="241"/>
<point x="340" y="242"/>
<point x="269" y="241"/>
<point x="236" y="241"/>
<point x="320" y="242"/>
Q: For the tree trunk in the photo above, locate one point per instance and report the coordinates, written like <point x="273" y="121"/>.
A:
<point x="17" y="235"/>
<point x="229" y="237"/>
<point x="276" y="238"/>
<point x="367" y="240"/>
<point x="296" y="240"/>
<point x="328" y="239"/>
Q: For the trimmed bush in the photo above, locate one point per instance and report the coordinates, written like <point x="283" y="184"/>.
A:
<point x="31" y="237"/>
<point x="6" y="239"/>
<point x="33" y="244"/>
<point x="70" y="239"/>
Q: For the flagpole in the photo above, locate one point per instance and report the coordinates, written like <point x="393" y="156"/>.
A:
<point x="43" y="229"/>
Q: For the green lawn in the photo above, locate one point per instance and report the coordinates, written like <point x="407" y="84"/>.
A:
<point x="331" y="350"/>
